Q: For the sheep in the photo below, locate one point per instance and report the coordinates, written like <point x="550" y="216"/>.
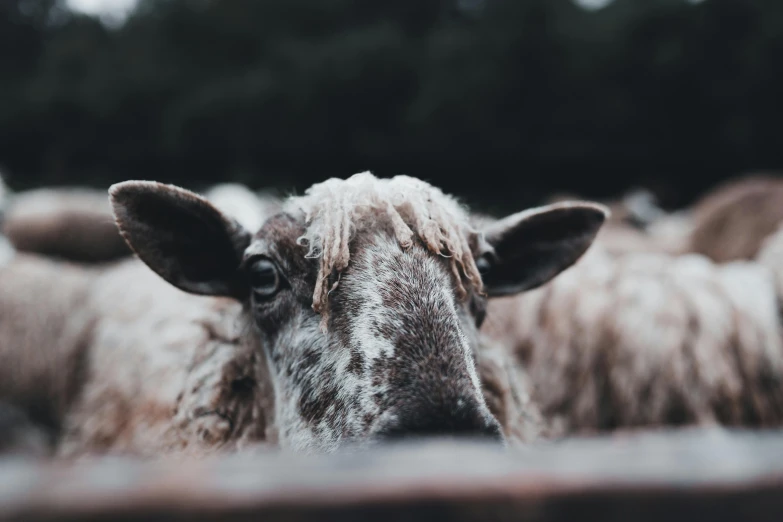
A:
<point x="73" y="224"/>
<point x="731" y="222"/>
<point x="636" y="209"/>
<point x="637" y="224"/>
<point x="349" y="318"/>
<point x="650" y="340"/>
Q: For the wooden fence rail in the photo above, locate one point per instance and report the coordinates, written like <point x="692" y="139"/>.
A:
<point x="688" y="475"/>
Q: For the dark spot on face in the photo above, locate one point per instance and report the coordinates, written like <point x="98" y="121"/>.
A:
<point x="310" y="359"/>
<point x="380" y="370"/>
<point x="333" y="410"/>
<point x="243" y="386"/>
<point x="367" y="420"/>
<point x="313" y="407"/>
<point x="356" y="365"/>
<point x="387" y="330"/>
<point x="276" y="357"/>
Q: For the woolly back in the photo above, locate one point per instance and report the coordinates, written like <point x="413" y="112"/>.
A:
<point x="336" y="208"/>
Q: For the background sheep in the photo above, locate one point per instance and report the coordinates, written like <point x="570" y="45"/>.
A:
<point x="728" y="223"/>
<point x="73" y="224"/>
<point x="120" y="361"/>
<point x="637" y="224"/>
<point x="649" y="340"/>
<point x="732" y="221"/>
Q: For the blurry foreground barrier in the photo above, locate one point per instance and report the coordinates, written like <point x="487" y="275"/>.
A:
<point x="687" y="475"/>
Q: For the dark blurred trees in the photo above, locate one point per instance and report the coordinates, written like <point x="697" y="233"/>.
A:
<point x="501" y="100"/>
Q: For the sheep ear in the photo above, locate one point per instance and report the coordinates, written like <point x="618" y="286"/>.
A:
<point x="529" y="248"/>
<point x="181" y="237"/>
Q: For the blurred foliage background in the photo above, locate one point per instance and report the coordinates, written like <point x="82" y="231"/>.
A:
<point x="498" y="101"/>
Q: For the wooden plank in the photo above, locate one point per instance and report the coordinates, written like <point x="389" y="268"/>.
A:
<point x="688" y="475"/>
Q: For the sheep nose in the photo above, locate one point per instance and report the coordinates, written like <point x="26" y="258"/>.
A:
<point x="431" y="422"/>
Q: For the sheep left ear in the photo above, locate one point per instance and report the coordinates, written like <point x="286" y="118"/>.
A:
<point x="182" y="237"/>
<point x="529" y="248"/>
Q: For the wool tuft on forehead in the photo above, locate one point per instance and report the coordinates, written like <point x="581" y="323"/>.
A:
<point x="335" y="208"/>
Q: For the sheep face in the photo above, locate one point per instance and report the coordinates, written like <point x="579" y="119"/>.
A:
<point x="396" y="356"/>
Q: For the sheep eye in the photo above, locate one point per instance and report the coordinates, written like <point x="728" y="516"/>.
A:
<point x="483" y="265"/>
<point x="264" y="278"/>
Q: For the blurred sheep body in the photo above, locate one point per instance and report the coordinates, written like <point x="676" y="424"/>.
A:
<point x="731" y="222"/>
<point x="73" y="370"/>
<point x="638" y="224"/>
<point x="73" y="224"/>
<point x="668" y="235"/>
<point x="650" y="340"/>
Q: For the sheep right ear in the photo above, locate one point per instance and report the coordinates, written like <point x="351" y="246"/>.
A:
<point x="182" y="237"/>
<point x="529" y="248"/>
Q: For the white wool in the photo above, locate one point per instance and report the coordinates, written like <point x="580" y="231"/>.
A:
<point x="236" y="200"/>
<point x="336" y="208"/>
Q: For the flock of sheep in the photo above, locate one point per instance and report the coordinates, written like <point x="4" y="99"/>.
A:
<point x="155" y="320"/>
